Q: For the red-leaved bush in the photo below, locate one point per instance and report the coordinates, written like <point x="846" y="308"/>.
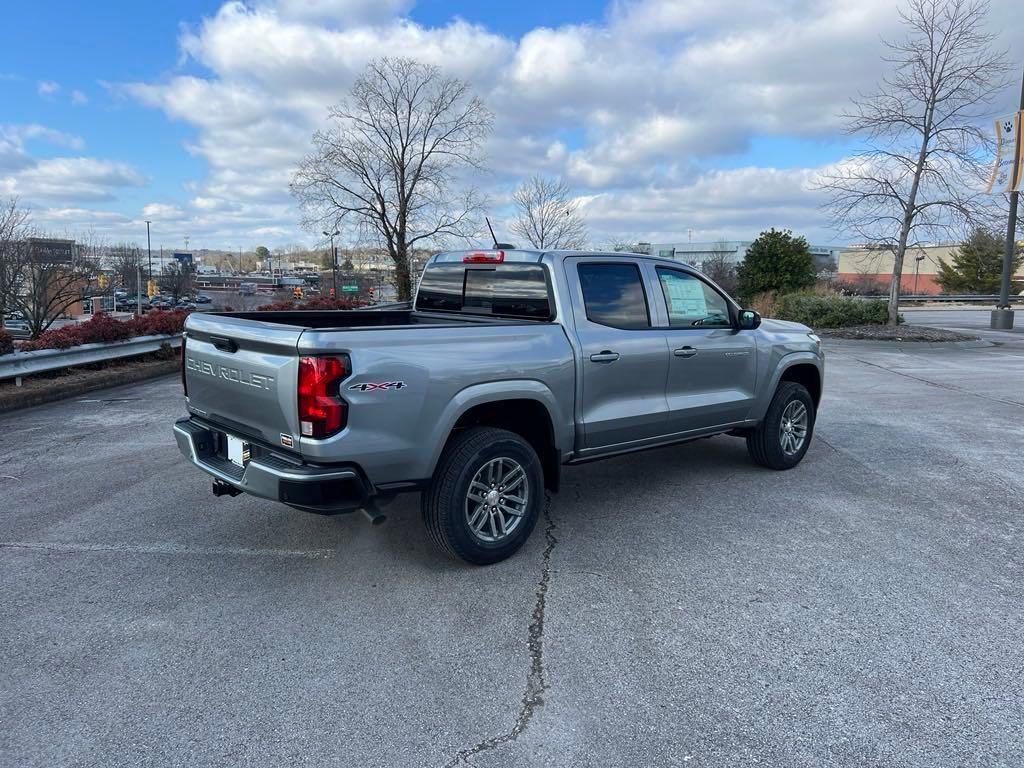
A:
<point x="6" y="342"/>
<point x="317" y="302"/>
<point x="104" y="328"/>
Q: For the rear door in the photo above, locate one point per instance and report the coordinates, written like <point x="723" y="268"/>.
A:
<point x="624" y="361"/>
<point x="712" y="366"/>
<point x="242" y="375"/>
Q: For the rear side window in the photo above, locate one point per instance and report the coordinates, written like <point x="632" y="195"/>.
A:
<point x="509" y="290"/>
<point x="614" y="295"/>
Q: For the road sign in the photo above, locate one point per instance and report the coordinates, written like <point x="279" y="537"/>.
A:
<point x="350" y="289"/>
<point x="184" y="258"/>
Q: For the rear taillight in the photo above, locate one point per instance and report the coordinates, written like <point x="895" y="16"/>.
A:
<point x="184" y="384"/>
<point x="322" y="412"/>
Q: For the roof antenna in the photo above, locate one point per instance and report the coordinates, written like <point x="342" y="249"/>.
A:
<point x="493" y="238"/>
<point x="498" y="246"/>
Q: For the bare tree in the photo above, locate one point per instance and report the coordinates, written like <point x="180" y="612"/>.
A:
<point x="548" y="217"/>
<point x="50" y="284"/>
<point x="127" y="263"/>
<point x="14" y="232"/>
<point x="721" y="267"/>
<point x="176" y="279"/>
<point x="390" y="161"/>
<point x="921" y="176"/>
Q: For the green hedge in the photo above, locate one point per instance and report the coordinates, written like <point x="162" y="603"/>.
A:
<point x="831" y="311"/>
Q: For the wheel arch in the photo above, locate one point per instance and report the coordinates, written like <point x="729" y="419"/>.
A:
<point x="530" y="411"/>
<point x="802" y="367"/>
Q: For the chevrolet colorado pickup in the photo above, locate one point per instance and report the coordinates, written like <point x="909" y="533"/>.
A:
<point x="506" y="366"/>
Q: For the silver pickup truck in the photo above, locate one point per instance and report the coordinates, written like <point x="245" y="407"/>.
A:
<point x="507" y="366"/>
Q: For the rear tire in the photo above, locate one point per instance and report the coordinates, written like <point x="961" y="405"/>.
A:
<point x="486" y="495"/>
<point x="781" y="440"/>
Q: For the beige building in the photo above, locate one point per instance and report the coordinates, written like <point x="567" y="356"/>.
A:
<point x="863" y="266"/>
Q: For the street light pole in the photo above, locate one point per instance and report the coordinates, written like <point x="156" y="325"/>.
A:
<point x="334" y="260"/>
<point x="1002" y="315"/>
<point x="149" y="250"/>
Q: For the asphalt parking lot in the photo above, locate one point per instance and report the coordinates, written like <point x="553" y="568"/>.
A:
<point x="680" y="607"/>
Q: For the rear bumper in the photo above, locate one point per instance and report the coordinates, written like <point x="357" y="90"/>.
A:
<point x="322" y="489"/>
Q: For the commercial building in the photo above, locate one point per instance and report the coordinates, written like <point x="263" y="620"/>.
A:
<point x="734" y="251"/>
<point x="872" y="268"/>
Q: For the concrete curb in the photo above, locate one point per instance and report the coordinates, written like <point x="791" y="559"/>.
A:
<point x="107" y="377"/>
<point x="892" y="344"/>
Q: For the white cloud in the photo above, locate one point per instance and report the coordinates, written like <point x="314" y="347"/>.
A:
<point x="14" y="155"/>
<point x="78" y="98"/>
<point x="47" y="88"/>
<point x="78" y="179"/>
<point x="162" y="212"/>
<point x="33" y="131"/>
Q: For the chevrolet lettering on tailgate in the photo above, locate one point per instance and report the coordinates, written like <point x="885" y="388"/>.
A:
<point x="230" y="374"/>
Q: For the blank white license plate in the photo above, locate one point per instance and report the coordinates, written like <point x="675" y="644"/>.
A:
<point x="238" y="451"/>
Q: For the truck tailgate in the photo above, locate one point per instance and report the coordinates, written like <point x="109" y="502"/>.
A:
<point x="241" y="374"/>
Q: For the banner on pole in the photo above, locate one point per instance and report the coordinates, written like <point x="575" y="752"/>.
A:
<point x="1008" y="147"/>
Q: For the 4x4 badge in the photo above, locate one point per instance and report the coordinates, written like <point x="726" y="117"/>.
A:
<point x="368" y="387"/>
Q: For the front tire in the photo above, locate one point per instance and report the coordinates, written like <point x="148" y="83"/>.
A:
<point x="781" y="440"/>
<point x="486" y="495"/>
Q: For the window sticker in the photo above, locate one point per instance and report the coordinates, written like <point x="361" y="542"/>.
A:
<point x="685" y="297"/>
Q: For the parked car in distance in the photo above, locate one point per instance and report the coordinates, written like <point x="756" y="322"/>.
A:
<point x="202" y="298"/>
<point x="11" y="324"/>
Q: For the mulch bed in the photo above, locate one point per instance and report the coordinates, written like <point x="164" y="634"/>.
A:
<point x="70" y="382"/>
<point x="895" y="333"/>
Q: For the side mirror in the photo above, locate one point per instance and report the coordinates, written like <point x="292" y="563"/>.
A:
<point x="749" y="319"/>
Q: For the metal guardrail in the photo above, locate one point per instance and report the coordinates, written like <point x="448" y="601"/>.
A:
<point x="19" y="364"/>
<point x="962" y="299"/>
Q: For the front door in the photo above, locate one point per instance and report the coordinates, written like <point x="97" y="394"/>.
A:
<point x="712" y="366"/>
<point x="624" y="361"/>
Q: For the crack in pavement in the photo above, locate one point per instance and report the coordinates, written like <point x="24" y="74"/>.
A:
<point x="536" y="679"/>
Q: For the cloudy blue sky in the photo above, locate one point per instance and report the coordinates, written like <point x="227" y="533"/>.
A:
<point x="665" y="116"/>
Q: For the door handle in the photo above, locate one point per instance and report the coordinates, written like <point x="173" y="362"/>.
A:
<point x="607" y="356"/>
<point x="224" y="344"/>
<point x="684" y="352"/>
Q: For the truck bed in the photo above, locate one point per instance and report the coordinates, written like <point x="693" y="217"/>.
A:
<point x="407" y="370"/>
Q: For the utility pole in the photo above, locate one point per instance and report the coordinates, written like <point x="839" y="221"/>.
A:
<point x="239" y="261"/>
<point x="149" y="250"/>
<point x="334" y="260"/>
<point x="1002" y="315"/>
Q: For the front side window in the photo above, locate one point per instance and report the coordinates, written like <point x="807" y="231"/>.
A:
<point x="691" y="302"/>
<point x="614" y="295"/>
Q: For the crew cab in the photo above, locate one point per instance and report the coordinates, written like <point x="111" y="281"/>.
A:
<point x="507" y="366"/>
